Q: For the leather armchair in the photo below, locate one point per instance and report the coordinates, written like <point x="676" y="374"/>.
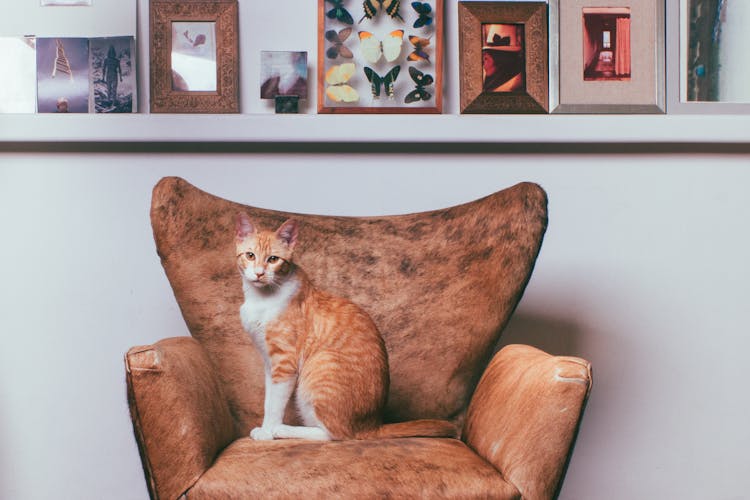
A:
<point x="440" y="285"/>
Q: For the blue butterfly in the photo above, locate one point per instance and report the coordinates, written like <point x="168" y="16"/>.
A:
<point x="424" y="10"/>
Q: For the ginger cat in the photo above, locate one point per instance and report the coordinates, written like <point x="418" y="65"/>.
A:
<point x="324" y="347"/>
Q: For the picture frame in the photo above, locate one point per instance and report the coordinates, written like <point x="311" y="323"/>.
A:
<point x="380" y="58"/>
<point x="611" y="56"/>
<point x="504" y="57"/>
<point x="686" y="56"/>
<point x="194" y="56"/>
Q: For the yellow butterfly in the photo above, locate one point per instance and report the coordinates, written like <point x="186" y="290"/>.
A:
<point x="337" y="77"/>
<point x="372" y="48"/>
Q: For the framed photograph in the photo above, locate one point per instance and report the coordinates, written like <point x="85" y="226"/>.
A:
<point x="707" y="56"/>
<point x="283" y="74"/>
<point x="612" y="56"/>
<point x="194" y="56"/>
<point x="380" y="56"/>
<point x="503" y="55"/>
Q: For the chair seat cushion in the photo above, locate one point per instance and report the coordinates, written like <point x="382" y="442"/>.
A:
<point x="392" y="468"/>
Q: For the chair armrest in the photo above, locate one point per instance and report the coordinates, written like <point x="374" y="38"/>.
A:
<point x="524" y="416"/>
<point x="180" y="416"/>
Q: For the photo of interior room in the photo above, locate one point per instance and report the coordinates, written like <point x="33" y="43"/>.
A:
<point x="606" y="43"/>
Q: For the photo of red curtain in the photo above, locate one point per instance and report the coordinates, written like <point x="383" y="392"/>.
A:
<point x="622" y="46"/>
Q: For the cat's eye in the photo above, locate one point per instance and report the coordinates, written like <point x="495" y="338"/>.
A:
<point x="272" y="259"/>
<point x="249" y="255"/>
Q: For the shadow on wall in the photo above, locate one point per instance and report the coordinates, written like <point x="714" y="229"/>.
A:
<point x="553" y="335"/>
<point x="6" y="463"/>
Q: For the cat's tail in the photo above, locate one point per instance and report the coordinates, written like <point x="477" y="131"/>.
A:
<point x="413" y="428"/>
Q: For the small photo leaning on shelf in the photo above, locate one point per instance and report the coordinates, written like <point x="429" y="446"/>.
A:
<point x="283" y="77"/>
<point x="112" y="75"/>
<point x="18" y="88"/>
<point x="62" y="75"/>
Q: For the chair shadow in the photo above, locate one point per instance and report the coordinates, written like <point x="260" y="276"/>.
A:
<point x="560" y="337"/>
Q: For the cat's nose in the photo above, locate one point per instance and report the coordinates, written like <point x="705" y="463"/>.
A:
<point x="260" y="272"/>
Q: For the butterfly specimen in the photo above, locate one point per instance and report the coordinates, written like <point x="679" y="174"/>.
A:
<point x="419" y="53"/>
<point x="390" y="7"/>
<point x="372" y="48"/>
<point x="339" y="12"/>
<point x="338" y="48"/>
<point x="423" y="9"/>
<point x="421" y="81"/>
<point x="386" y="81"/>
<point x="337" y="77"/>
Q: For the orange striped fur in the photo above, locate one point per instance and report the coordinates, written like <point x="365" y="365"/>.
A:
<point x="324" y="347"/>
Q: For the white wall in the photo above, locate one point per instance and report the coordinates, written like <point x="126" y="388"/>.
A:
<point x="643" y="271"/>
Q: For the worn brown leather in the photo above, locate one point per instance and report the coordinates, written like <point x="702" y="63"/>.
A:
<point x="179" y="412"/>
<point x="439" y="285"/>
<point x="390" y="468"/>
<point x="524" y="416"/>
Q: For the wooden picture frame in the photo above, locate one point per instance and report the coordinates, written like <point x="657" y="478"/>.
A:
<point x="359" y="51"/>
<point x="612" y="56"/>
<point x="194" y="56"/>
<point x="503" y="56"/>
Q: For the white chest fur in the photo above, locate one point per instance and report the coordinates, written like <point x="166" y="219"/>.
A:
<point x="262" y="307"/>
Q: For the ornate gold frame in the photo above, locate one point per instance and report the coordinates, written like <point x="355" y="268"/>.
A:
<point x="164" y="99"/>
<point x="533" y="15"/>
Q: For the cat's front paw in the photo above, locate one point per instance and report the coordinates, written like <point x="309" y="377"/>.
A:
<point x="261" y="434"/>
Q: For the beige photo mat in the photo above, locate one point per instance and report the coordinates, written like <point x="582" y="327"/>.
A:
<point x="643" y="91"/>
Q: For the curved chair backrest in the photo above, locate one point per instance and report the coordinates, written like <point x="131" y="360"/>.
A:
<point x="439" y="285"/>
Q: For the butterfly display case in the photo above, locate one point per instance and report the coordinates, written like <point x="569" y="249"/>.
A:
<point x="380" y="56"/>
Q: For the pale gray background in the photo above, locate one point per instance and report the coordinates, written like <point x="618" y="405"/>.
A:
<point x="643" y="271"/>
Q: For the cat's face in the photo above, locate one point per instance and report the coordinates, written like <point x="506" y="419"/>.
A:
<point x="263" y="257"/>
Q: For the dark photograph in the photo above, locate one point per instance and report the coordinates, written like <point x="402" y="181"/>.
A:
<point x="503" y="58"/>
<point x="112" y="70"/>
<point x="606" y="43"/>
<point x="717" y="68"/>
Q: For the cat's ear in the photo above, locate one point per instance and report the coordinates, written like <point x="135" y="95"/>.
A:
<point x="288" y="233"/>
<point x="243" y="226"/>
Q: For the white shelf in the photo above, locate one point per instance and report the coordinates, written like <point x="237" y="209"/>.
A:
<point x="311" y="128"/>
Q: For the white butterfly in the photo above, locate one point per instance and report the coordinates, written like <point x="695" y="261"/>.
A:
<point x="372" y="48"/>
